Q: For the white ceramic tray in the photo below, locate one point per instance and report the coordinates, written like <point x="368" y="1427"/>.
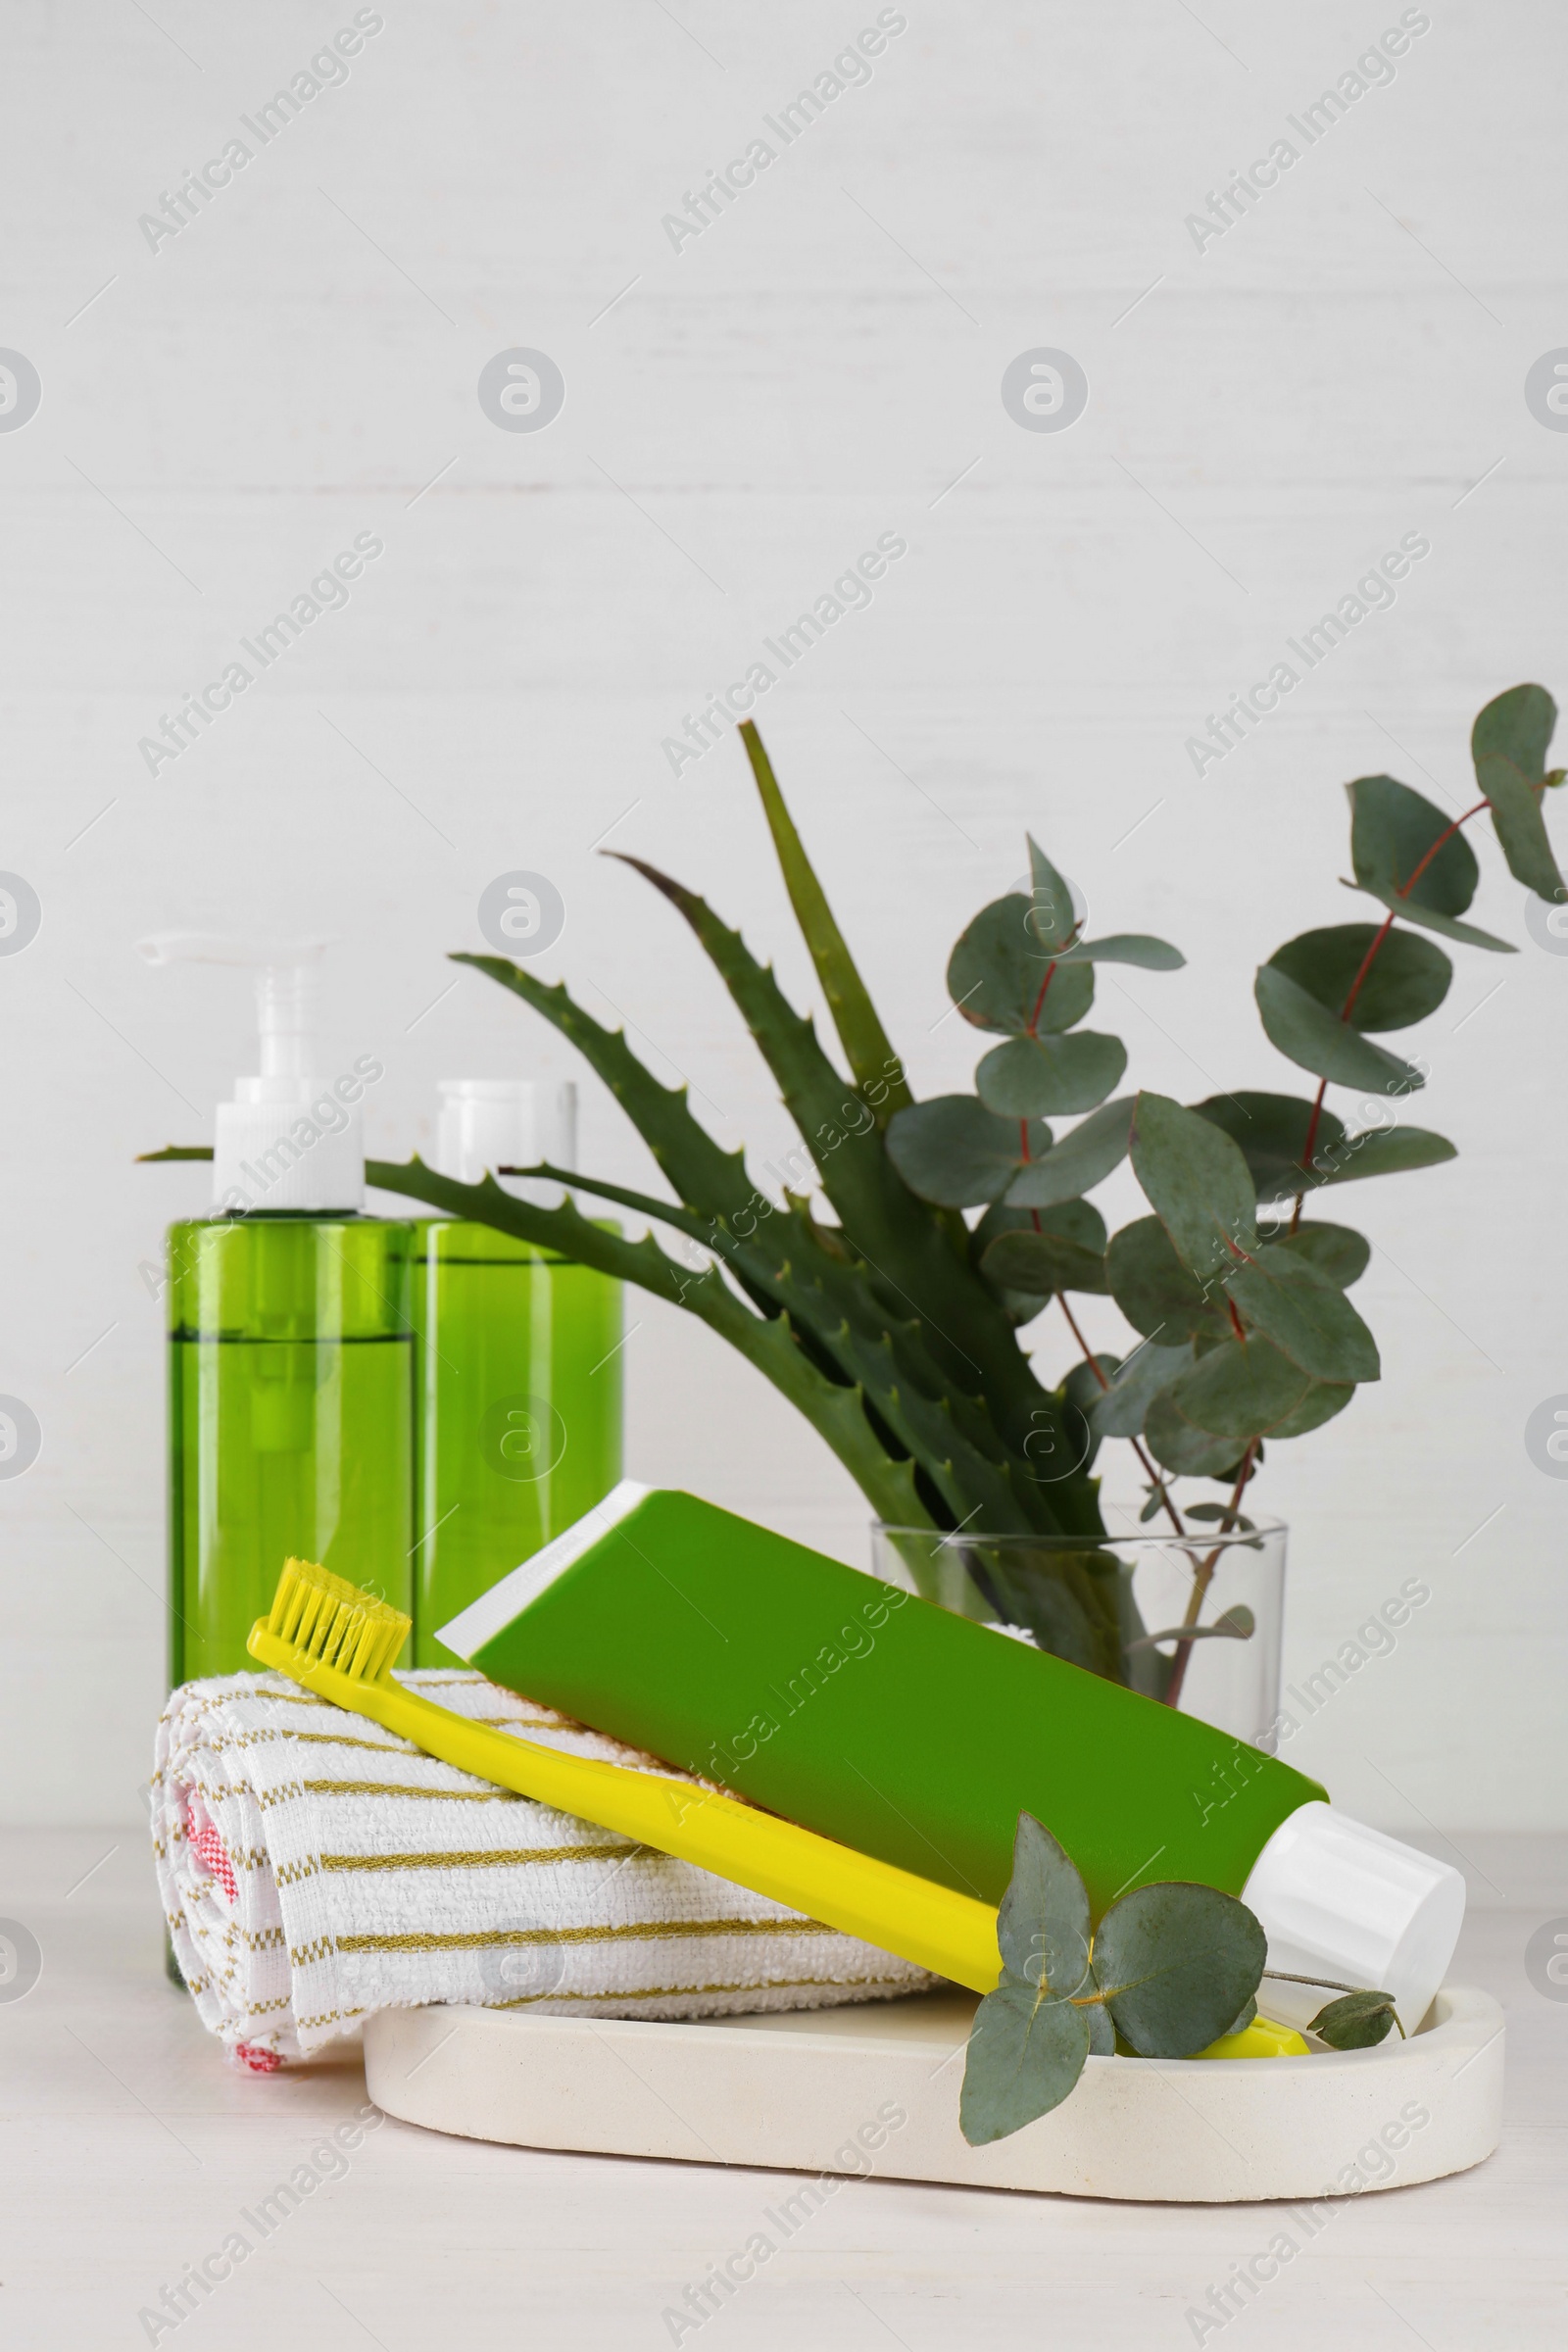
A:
<point x="874" y="2088"/>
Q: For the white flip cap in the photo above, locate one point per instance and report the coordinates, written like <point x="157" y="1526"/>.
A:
<point x="1338" y="1899"/>
<point x="490" y="1123"/>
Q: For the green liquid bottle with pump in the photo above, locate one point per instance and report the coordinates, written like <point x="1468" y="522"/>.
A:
<point x="518" y="1364"/>
<point x="291" y="1342"/>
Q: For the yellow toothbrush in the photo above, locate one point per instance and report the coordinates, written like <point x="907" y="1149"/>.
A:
<point x="341" y="1642"/>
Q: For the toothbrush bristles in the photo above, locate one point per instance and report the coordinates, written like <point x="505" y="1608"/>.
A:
<point x="333" y="1623"/>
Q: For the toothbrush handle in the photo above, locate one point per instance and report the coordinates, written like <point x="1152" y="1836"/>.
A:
<point x="953" y="1935"/>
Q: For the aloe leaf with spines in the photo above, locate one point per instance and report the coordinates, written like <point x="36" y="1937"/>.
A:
<point x="882" y="1219"/>
<point x="822" y="1297"/>
<point x="835" y="1412"/>
<point x="896" y="1329"/>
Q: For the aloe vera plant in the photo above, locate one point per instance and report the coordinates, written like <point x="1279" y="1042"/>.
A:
<point x="892" y="1323"/>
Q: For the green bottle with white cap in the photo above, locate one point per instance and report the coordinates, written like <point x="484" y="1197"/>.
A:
<point x="518" y="1364"/>
<point x="290" y="1338"/>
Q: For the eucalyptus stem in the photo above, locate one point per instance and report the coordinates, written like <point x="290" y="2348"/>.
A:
<point x="1093" y="1361"/>
<point x="1203" y="1576"/>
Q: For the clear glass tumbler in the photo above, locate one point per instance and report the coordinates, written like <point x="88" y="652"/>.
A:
<point x="1194" y="1621"/>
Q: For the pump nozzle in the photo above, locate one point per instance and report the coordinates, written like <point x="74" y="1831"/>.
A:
<point x="288" y="1139"/>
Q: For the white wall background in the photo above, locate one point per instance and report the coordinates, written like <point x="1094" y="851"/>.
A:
<point x="822" y="365"/>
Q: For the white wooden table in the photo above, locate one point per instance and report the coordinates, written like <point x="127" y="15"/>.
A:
<point x="130" y="2151"/>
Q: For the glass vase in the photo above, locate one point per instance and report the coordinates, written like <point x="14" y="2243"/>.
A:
<point x="1193" y="1621"/>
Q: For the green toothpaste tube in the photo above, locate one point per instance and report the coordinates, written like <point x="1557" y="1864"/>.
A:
<point x="894" y="1726"/>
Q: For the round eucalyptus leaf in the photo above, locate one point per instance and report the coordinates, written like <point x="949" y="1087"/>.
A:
<point x="1394" y="837"/>
<point x="1317" y="1040"/>
<point x="1155" y="1291"/>
<point x="1043" y="1262"/>
<point x="1336" y="1251"/>
<point x="1001" y="977"/>
<point x="1177" y="1963"/>
<point x="1082" y="1388"/>
<point x="1323" y="1399"/>
<point x="1182" y="1447"/>
<point x="1127" y="946"/>
<point x="1407" y="978"/>
<point x="1031" y="1077"/>
<point x="1024" y="2057"/>
<point x="1197" y="1182"/>
<point x="1239" y="1390"/>
<point x="955" y="1153"/>
<point x="1380" y="1151"/>
<point x="1307" y="1316"/>
<point x="1357" y="2022"/>
<point x="1079" y="1161"/>
<point x="1519" y="824"/>
<point x="1075" y="1221"/>
<point x="1519" y="724"/>
<point x="1052" y="917"/>
<point x="1120" y="1410"/>
<point x="1272" y="1130"/>
<point x="1406" y="852"/>
<point x="1042" y="1924"/>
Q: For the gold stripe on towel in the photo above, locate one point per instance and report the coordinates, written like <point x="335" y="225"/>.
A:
<point x="505" y="1858"/>
<point x="459" y="1796"/>
<point x="637" y="1932"/>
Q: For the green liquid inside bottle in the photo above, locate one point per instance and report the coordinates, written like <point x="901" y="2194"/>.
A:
<point x="519" y="1410"/>
<point x="291" y="1419"/>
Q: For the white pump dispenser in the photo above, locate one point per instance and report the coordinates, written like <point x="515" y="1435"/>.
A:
<point x="289" y="1138"/>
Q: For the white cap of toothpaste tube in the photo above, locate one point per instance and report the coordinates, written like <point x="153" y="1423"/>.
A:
<point x="1343" y="1904"/>
<point x="289" y="1138"/>
<point x="490" y="1123"/>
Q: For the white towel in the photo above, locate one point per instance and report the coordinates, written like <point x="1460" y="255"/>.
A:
<point x="314" y="1867"/>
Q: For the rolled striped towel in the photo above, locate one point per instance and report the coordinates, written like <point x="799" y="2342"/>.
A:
<point x="314" y="1867"/>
